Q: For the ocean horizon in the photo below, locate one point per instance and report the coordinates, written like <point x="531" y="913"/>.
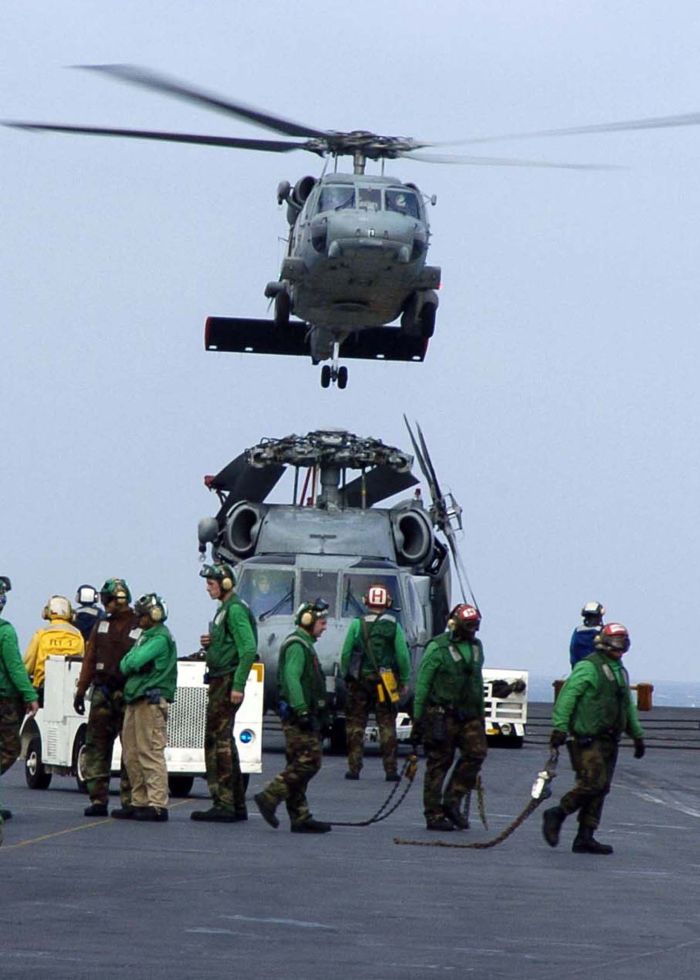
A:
<point x="666" y="694"/>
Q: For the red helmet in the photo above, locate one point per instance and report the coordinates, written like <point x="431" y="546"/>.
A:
<point x="377" y="597"/>
<point x="615" y="636"/>
<point x="464" y="618"/>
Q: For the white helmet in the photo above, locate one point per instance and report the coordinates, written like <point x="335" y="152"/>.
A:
<point x="86" y="595"/>
<point x="58" y="607"/>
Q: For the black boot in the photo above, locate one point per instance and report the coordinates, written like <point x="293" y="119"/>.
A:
<point x="214" y="814"/>
<point x="585" y="843"/>
<point x="154" y="814"/>
<point x="124" y="813"/>
<point x="439" y="823"/>
<point x="552" y="820"/>
<point x="5" y="814"/>
<point x="311" y="826"/>
<point x="96" y="810"/>
<point x="454" y="814"/>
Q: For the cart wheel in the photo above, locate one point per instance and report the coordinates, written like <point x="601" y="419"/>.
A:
<point x="180" y="785"/>
<point x="37" y="777"/>
<point x="79" y="761"/>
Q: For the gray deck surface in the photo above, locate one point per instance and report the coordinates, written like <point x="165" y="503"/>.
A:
<point x="102" y="898"/>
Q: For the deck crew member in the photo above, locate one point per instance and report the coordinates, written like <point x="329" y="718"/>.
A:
<point x="87" y="610"/>
<point x="448" y="717"/>
<point x="230" y="648"/>
<point x="302" y="689"/>
<point x="583" y="638"/>
<point x="150" y="668"/>
<point x="376" y="665"/>
<point x="113" y="637"/>
<point x="595" y="707"/>
<point x="59" y="639"/>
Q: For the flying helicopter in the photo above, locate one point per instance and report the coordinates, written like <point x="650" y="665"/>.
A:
<point x="356" y="257"/>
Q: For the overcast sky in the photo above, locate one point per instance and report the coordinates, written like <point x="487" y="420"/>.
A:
<point x="559" y="395"/>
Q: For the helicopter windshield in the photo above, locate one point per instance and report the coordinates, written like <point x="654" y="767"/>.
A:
<point x="320" y="585"/>
<point x="403" y="202"/>
<point x="355" y="586"/>
<point x="336" y="197"/>
<point x="369" y="198"/>
<point x="268" y="592"/>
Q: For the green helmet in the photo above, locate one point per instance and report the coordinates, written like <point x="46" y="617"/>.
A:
<point x="151" y="605"/>
<point x="223" y="574"/>
<point x="115" y="588"/>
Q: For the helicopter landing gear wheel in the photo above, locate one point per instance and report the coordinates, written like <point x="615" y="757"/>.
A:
<point x="427" y="320"/>
<point x="409" y="317"/>
<point x="325" y="376"/>
<point x="342" y="377"/>
<point x="282" y="309"/>
<point x="331" y="373"/>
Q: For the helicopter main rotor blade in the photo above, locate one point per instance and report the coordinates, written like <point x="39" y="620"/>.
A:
<point x="269" y="146"/>
<point x="172" y="86"/>
<point x="656" y="122"/>
<point x="380" y="482"/>
<point x="502" y="161"/>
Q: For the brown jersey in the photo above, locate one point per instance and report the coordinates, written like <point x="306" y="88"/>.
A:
<point x="109" y="641"/>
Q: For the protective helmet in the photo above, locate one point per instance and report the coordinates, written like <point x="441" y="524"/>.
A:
<point x="464" y="619"/>
<point x="615" y="636"/>
<point x="58" y="607"/>
<point x="377" y="597"/>
<point x="593" y="610"/>
<point x="223" y="574"/>
<point x="86" y="595"/>
<point x="309" y="612"/>
<point x="5" y="587"/>
<point x="151" y="605"/>
<point x="115" y="588"/>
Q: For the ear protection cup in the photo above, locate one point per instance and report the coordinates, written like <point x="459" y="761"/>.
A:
<point x="45" y="612"/>
<point x="307" y="618"/>
<point x="226" y="584"/>
<point x="156" y="613"/>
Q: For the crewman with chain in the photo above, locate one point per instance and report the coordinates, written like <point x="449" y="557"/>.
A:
<point x="448" y="715"/>
<point x="17" y="696"/>
<point x="302" y="689"/>
<point x="150" y="668"/>
<point x="59" y="639"/>
<point x="595" y="707"/>
<point x="113" y="637"/>
<point x="376" y="665"/>
<point x="230" y="648"/>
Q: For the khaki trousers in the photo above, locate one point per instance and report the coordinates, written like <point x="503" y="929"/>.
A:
<point x="144" y="738"/>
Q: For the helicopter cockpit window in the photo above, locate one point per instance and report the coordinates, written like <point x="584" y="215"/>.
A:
<point x="336" y="197"/>
<point x="369" y="198"/>
<point x="268" y="592"/>
<point x="320" y="585"/>
<point x="404" y="202"/>
<point x="355" y="587"/>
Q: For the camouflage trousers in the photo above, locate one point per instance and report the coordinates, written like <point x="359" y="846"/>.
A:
<point x="363" y="698"/>
<point x="446" y="735"/>
<point x="594" y="765"/>
<point x="11" y="716"/>
<point x="224" y="776"/>
<point x="304" y="756"/>
<point x="104" y="725"/>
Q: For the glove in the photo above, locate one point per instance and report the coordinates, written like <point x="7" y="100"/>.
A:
<point x="639" y="748"/>
<point x="417" y="733"/>
<point x="500" y="689"/>
<point x="79" y="704"/>
<point x="518" y="686"/>
<point x="557" y="738"/>
<point x="304" y="722"/>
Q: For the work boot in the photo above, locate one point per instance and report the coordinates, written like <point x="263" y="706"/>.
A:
<point x="311" y="826"/>
<point x="155" y="814"/>
<point x="458" y="819"/>
<point x="439" y="823"/>
<point x="392" y="777"/>
<point x="96" y="810"/>
<point x="267" y="809"/>
<point x="240" y="813"/>
<point x="352" y="775"/>
<point x="5" y="814"/>
<point x="552" y="820"/>
<point x="125" y="813"/>
<point x="215" y="814"/>
<point x="585" y="843"/>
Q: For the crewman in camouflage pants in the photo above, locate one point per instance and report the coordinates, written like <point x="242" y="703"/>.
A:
<point x="231" y="648"/>
<point x="376" y="665"/>
<point x="595" y="707"/>
<point x="109" y="641"/>
<point x="17" y="696"/>
<point x="302" y="689"/>
<point x="448" y="715"/>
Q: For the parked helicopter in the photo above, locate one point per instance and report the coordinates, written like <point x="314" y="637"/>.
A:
<point x="333" y="542"/>
<point x="357" y="245"/>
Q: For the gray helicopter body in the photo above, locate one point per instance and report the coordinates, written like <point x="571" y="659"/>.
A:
<point x="332" y="545"/>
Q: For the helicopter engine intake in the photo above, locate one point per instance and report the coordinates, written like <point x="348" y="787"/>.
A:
<point x="413" y="535"/>
<point x="242" y="528"/>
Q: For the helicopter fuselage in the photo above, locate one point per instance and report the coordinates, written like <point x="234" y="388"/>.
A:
<point x="357" y="251"/>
